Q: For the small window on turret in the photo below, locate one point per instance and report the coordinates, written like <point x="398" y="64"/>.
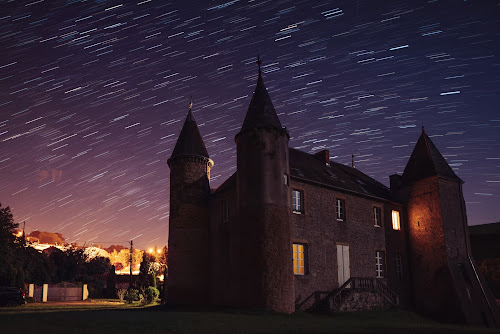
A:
<point x="396" y="225"/>
<point x="225" y="210"/>
<point x="285" y="177"/>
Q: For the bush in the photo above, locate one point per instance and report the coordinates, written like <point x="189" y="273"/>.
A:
<point x="133" y="295"/>
<point x="151" y="294"/>
<point x="121" y="294"/>
<point x="96" y="289"/>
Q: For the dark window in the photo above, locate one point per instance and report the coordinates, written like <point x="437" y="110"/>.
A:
<point x="297" y="201"/>
<point x="398" y="266"/>
<point x="380" y="264"/>
<point x="225" y="210"/>
<point x="377" y="216"/>
<point x="340" y="208"/>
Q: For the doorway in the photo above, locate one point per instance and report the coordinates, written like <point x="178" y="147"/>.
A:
<point x="343" y="267"/>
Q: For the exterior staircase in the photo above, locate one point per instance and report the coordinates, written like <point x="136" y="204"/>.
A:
<point x="356" y="294"/>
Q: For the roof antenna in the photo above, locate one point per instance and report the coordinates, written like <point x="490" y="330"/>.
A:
<point x="352" y="161"/>
<point x="259" y="62"/>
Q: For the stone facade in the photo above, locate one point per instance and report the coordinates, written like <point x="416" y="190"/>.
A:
<point x="288" y="225"/>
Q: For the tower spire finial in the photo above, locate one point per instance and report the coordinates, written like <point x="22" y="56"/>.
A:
<point x="190" y="103"/>
<point x="423" y="128"/>
<point x="259" y="62"/>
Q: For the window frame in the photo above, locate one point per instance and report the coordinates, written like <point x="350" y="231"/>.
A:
<point x="377" y="216"/>
<point x="396" y="220"/>
<point x="299" y="203"/>
<point x="295" y="257"/>
<point x="340" y="216"/>
<point x="380" y="267"/>
<point x="398" y="265"/>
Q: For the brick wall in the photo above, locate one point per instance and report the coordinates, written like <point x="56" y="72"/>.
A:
<point x="318" y="228"/>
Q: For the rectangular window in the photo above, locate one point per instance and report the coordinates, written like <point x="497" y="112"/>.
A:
<point x="297" y="201"/>
<point x="225" y="210"/>
<point x="380" y="264"/>
<point x="299" y="259"/>
<point x="285" y="177"/>
<point x="340" y="208"/>
<point x="377" y="216"/>
<point x="395" y="220"/>
<point x="398" y="266"/>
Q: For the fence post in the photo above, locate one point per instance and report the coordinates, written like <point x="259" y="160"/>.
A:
<point x="45" y="290"/>
<point x="31" y="290"/>
<point x="85" y="292"/>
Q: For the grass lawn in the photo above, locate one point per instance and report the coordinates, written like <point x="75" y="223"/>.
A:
<point x="119" y="318"/>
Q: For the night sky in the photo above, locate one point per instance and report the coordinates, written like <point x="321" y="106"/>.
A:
<point x="93" y="95"/>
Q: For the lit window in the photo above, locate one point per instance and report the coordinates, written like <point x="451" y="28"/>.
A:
<point x="379" y="264"/>
<point x="340" y="208"/>
<point x="299" y="259"/>
<point x="225" y="210"/>
<point x="377" y="216"/>
<point x="297" y="201"/>
<point x="395" y="220"/>
<point x="399" y="267"/>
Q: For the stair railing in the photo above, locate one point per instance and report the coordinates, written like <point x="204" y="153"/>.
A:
<point x="484" y="295"/>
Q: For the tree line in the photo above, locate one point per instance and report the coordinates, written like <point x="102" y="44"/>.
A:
<point x="21" y="264"/>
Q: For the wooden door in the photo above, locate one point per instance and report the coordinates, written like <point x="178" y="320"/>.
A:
<point x="343" y="268"/>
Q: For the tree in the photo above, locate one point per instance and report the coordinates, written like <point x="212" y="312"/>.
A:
<point x="98" y="265"/>
<point x="111" y="283"/>
<point x="8" y="270"/>
<point x="7" y="226"/>
<point x="147" y="272"/>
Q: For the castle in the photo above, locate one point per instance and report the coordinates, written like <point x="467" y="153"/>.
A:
<point x="291" y="230"/>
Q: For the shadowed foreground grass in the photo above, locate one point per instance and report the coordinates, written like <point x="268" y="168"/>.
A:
<point x="119" y="318"/>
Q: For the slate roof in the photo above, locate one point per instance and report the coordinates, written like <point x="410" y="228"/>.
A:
<point x="312" y="168"/>
<point x="426" y="161"/>
<point x="229" y="184"/>
<point x="189" y="142"/>
<point x="261" y="112"/>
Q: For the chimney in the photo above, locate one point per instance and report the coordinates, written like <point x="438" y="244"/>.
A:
<point x="395" y="181"/>
<point x="324" y="156"/>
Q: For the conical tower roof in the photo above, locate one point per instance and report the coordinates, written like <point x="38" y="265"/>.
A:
<point x="261" y="112"/>
<point x="427" y="161"/>
<point x="190" y="142"/>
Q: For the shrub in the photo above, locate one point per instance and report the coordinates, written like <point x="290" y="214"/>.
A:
<point x="121" y="294"/>
<point x="133" y="295"/>
<point x="151" y="294"/>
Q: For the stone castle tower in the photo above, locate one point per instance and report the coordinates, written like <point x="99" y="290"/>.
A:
<point x="189" y="227"/>
<point x="446" y="282"/>
<point x="263" y="205"/>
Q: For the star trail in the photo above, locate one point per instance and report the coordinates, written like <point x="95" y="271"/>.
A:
<point x="93" y="95"/>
